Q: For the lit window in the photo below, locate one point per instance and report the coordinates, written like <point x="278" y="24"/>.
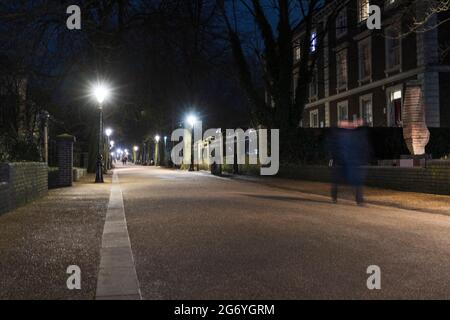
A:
<point x="313" y="40"/>
<point x="363" y="10"/>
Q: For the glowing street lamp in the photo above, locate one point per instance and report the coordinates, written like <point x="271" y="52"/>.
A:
<point x="101" y="93"/>
<point x="191" y="120"/>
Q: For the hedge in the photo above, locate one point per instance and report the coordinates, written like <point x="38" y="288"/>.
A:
<point x="309" y="146"/>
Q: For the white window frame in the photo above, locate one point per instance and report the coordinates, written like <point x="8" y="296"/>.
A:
<point x="342" y="105"/>
<point x="367" y="41"/>
<point x="312" y="114"/>
<point x="362" y="99"/>
<point x="297" y="50"/>
<point x="389" y="104"/>
<point x="363" y="10"/>
<point x="313" y="40"/>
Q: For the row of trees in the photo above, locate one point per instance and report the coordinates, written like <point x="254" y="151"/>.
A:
<point x="168" y="57"/>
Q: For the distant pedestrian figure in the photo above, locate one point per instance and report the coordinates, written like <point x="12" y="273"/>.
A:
<point x="349" y="151"/>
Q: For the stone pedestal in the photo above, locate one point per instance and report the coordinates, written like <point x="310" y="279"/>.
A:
<point x="65" y="159"/>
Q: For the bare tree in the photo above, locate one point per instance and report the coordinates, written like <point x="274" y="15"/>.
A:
<point x="284" y="106"/>
<point x="423" y="16"/>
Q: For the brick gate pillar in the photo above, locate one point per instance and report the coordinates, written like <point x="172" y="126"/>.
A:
<point x="65" y="159"/>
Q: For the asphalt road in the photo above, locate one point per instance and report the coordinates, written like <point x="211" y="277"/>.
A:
<point x="195" y="236"/>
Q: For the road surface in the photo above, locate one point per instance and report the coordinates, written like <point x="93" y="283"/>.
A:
<point x="196" y="236"/>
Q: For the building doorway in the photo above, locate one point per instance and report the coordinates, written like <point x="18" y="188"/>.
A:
<point x="394" y="106"/>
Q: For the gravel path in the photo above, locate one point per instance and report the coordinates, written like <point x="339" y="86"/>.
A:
<point x="40" y="240"/>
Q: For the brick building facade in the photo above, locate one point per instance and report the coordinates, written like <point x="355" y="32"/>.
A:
<point x="362" y="73"/>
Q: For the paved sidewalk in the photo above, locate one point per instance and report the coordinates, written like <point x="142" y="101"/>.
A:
<point x="406" y="200"/>
<point x="40" y="240"/>
<point x="117" y="278"/>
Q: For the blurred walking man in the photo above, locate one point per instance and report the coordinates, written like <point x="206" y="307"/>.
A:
<point x="349" y="151"/>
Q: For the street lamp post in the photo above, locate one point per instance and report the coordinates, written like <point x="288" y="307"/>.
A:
<point x="157" y="139"/>
<point x="100" y="92"/>
<point x="191" y="120"/>
<point x="108" y="133"/>
<point x="135" y="150"/>
<point x="111" y="146"/>
<point x="165" y="151"/>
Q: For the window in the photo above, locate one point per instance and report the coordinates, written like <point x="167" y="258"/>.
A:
<point x="297" y="51"/>
<point x="393" y="48"/>
<point x="342" y="111"/>
<point x="341" y="23"/>
<point x="314" y="85"/>
<point x="365" y="110"/>
<point x="314" y="119"/>
<point x="341" y="69"/>
<point x="363" y="10"/>
<point x="365" y="59"/>
<point x="313" y="40"/>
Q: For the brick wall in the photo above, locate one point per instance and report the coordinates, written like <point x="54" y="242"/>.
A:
<point x="435" y="180"/>
<point x="21" y="183"/>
